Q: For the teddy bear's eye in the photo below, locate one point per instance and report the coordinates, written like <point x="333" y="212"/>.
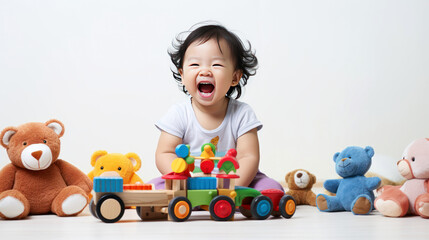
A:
<point x="101" y="167"/>
<point x="44" y="141"/>
<point x="119" y="168"/>
<point x="413" y="159"/>
<point x="24" y="143"/>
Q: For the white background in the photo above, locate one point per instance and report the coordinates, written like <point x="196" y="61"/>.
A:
<point x="332" y="74"/>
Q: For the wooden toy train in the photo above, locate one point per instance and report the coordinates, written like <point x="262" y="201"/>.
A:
<point x="182" y="193"/>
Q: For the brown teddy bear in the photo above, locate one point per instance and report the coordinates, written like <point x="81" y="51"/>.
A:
<point x="36" y="182"/>
<point x="300" y="182"/>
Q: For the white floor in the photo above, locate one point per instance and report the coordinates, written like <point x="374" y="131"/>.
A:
<point x="307" y="222"/>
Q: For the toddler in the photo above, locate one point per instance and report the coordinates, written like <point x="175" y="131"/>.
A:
<point x="212" y="66"/>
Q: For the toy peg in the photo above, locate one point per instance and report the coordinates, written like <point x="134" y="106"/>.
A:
<point x="191" y="163"/>
<point x="208" y="151"/>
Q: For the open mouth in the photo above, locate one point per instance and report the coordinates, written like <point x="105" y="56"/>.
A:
<point x="205" y="89"/>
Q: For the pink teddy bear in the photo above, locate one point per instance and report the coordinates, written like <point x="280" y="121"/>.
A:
<point x="413" y="196"/>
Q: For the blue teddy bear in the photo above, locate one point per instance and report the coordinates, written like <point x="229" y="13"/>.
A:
<point x="355" y="191"/>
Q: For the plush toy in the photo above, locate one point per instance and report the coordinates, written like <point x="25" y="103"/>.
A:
<point x="412" y="197"/>
<point x="116" y="164"/>
<point x="355" y="191"/>
<point x="300" y="182"/>
<point x="36" y="181"/>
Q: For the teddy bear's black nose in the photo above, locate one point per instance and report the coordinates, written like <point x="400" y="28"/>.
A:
<point x="299" y="175"/>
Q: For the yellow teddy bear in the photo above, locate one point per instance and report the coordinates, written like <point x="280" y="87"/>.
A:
<point x="116" y="165"/>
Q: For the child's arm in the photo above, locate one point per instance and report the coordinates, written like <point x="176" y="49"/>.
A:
<point x="165" y="154"/>
<point x="247" y="157"/>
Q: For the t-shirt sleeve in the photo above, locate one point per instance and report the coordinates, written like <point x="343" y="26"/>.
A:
<point x="247" y="120"/>
<point x="173" y="122"/>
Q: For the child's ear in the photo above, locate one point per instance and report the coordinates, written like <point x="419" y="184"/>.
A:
<point x="181" y="72"/>
<point x="236" y="78"/>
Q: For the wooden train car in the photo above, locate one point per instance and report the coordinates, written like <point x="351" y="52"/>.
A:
<point x="216" y="194"/>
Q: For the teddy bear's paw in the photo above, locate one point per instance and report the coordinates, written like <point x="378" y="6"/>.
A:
<point x="74" y="204"/>
<point x="423" y="209"/>
<point x="362" y="206"/>
<point x="388" y="208"/>
<point x="11" y="207"/>
<point x="322" y="203"/>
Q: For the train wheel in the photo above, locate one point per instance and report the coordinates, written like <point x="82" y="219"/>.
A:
<point x="246" y="212"/>
<point x="139" y="212"/>
<point x="276" y="214"/>
<point x="287" y="206"/>
<point x="179" y="209"/>
<point x="110" y="208"/>
<point x="222" y="208"/>
<point x="91" y="207"/>
<point x="261" y="207"/>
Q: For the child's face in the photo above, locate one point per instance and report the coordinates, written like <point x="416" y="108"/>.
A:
<point x="207" y="72"/>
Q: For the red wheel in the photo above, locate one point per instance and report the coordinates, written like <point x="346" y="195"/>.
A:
<point x="222" y="208"/>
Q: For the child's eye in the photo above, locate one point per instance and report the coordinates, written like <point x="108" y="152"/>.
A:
<point x="217" y="65"/>
<point x="194" y="64"/>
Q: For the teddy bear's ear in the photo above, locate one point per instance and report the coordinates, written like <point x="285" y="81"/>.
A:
<point x="135" y="160"/>
<point x="57" y="126"/>
<point x="313" y="178"/>
<point x="287" y="176"/>
<point x="336" y="155"/>
<point x="6" y="134"/>
<point x="95" y="156"/>
<point x="370" y="151"/>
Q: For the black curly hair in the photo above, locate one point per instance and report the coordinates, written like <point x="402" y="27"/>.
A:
<point x="245" y="60"/>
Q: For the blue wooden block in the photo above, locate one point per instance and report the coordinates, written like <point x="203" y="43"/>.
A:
<point x="108" y="184"/>
<point x="182" y="151"/>
<point x="200" y="183"/>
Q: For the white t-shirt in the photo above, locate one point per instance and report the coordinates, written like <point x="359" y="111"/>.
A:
<point x="180" y="121"/>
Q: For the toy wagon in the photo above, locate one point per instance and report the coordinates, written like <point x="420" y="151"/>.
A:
<point x="216" y="194"/>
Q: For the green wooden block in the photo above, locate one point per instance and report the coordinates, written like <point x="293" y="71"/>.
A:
<point x="201" y="197"/>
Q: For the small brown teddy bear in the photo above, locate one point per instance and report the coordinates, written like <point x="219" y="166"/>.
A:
<point x="36" y="182"/>
<point x="300" y="182"/>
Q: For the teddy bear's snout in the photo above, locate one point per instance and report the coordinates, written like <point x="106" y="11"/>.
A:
<point x="110" y="174"/>
<point x="36" y="157"/>
<point x="37" y="154"/>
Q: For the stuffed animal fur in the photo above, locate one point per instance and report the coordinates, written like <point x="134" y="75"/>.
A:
<point x="116" y="164"/>
<point x="36" y="181"/>
<point x="355" y="191"/>
<point x="300" y="182"/>
<point x="412" y="197"/>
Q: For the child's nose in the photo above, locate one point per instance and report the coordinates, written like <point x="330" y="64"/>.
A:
<point x="205" y="72"/>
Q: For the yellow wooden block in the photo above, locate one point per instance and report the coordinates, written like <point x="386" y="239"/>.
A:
<point x="179" y="165"/>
